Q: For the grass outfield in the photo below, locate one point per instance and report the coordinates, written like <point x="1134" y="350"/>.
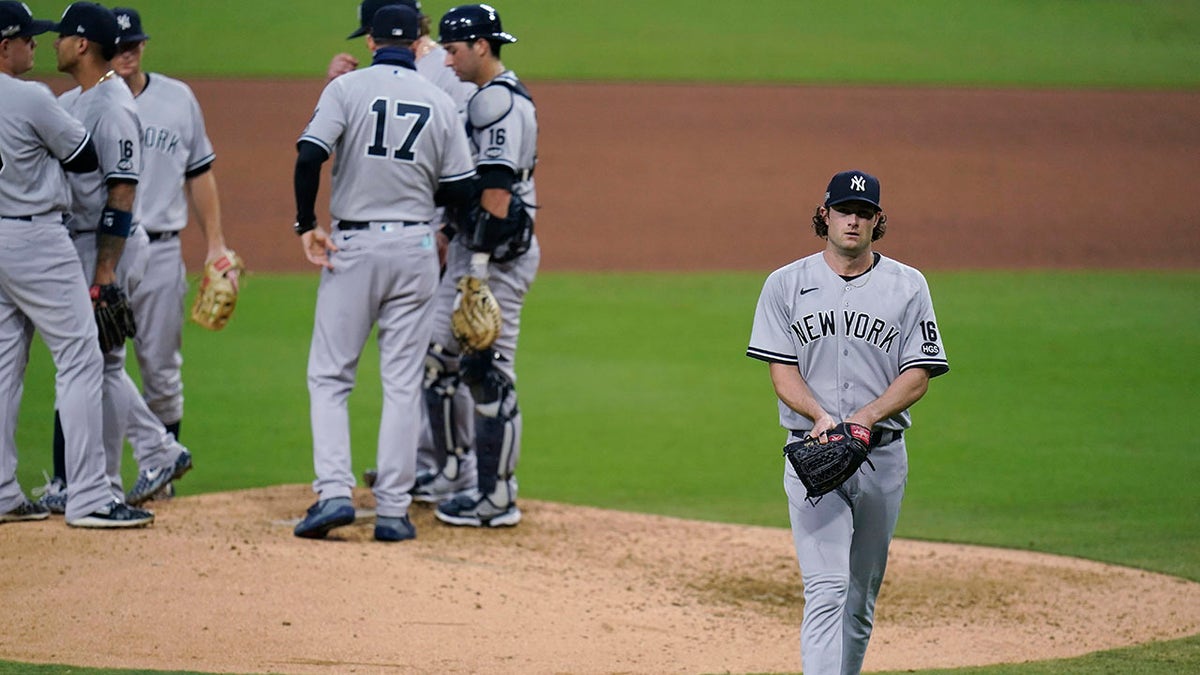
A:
<point x="1100" y="43"/>
<point x="1052" y="431"/>
<point x="1063" y="388"/>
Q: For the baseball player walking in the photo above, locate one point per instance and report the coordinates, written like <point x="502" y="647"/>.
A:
<point x="455" y="427"/>
<point x="42" y="285"/>
<point x="502" y="124"/>
<point x="850" y="335"/>
<point x="400" y="149"/>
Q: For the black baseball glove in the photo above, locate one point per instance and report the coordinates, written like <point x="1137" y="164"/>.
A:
<point x="823" y="467"/>
<point x="114" y="317"/>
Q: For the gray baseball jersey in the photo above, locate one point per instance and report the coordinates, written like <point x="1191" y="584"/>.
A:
<point x="108" y="112"/>
<point x="502" y="122"/>
<point x="413" y="132"/>
<point x="42" y="287"/>
<point x="395" y="137"/>
<point x="174" y="145"/>
<point x="33" y="124"/>
<point x="849" y="339"/>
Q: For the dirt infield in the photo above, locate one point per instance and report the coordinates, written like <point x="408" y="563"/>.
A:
<point x="220" y="584"/>
<point x="647" y="178"/>
<point x="639" y="177"/>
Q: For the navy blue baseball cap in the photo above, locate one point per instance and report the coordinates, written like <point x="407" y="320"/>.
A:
<point x="17" y="21"/>
<point x="396" y="22"/>
<point x="130" y="24"/>
<point x="368" y="8"/>
<point x="92" y="21"/>
<point x="853" y="186"/>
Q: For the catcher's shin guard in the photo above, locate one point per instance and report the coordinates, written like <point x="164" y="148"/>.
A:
<point x="449" y="418"/>
<point x="497" y="419"/>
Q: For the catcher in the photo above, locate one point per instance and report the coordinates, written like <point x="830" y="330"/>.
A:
<point x="852" y="342"/>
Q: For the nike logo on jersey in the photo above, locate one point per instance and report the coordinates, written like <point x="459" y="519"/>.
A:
<point x="809" y="290"/>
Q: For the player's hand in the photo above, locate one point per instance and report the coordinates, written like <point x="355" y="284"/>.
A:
<point x="443" y="248"/>
<point x="422" y="46"/>
<point x="822" y="426"/>
<point x="340" y="65"/>
<point x="317" y="247"/>
<point x="217" y="252"/>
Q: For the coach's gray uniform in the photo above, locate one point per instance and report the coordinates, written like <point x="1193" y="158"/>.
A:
<point x="42" y="286"/>
<point x="108" y="111"/>
<point x="850" y="341"/>
<point x="175" y="147"/>
<point x="395" y="137"/>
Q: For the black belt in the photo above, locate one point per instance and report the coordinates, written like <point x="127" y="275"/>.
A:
<point x="28" y="219"/>
<point x="159" y="236"/>
<point x="878" y="438"/>
<point x="366" y="224"/>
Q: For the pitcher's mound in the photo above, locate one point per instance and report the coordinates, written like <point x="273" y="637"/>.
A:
<point x="220" y="584"/>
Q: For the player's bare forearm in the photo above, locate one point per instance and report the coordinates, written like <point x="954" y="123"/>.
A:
<point x="109" y="248"/>
<point x="121" y="196"/>
<point x="495" y="201"/>
<point x="904" y="391"/>
<point x="206" y="207"/>
<point x="791" y="388"/>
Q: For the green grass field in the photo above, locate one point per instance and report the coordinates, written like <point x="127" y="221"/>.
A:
<point x="1036" y="439"/>
<point x="1065" y="387"/>
<point x="1100" y="43"/>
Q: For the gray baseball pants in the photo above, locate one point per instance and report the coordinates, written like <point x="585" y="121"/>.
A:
<point x="842" y="546"/>
<point x="42" y="287"/>
<point x="384" y="276"/>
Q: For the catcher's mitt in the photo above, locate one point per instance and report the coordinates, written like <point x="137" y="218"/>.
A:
<point x="475" y="320"/>
<point x="218" y="291"/>
<point x="114" y="317"/>
<point x="823" y="467"/>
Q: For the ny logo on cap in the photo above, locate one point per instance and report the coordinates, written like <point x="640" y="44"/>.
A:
<point x="858" y="183"/>
<point x="124" y="22"/>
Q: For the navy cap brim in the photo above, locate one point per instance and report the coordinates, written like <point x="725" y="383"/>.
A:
<point x="362" y="30"/>
<point x="37" y="27"/>
<point x="864" y="200"/>
<point x="140" y="37"/>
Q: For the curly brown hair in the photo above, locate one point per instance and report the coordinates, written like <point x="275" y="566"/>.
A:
<point x="821" y="228"/>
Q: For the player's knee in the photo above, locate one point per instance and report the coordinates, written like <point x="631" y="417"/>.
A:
<point x="492" y="390"/>
<point x="441" y="372"/>
<point x="825" y="589"/>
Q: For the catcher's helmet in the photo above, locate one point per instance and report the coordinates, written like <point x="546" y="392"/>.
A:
<point x="466" y="23"/>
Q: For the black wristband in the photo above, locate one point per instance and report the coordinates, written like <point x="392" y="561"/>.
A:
<point x="116" y="222"/>
<point x="305" y="227"/>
